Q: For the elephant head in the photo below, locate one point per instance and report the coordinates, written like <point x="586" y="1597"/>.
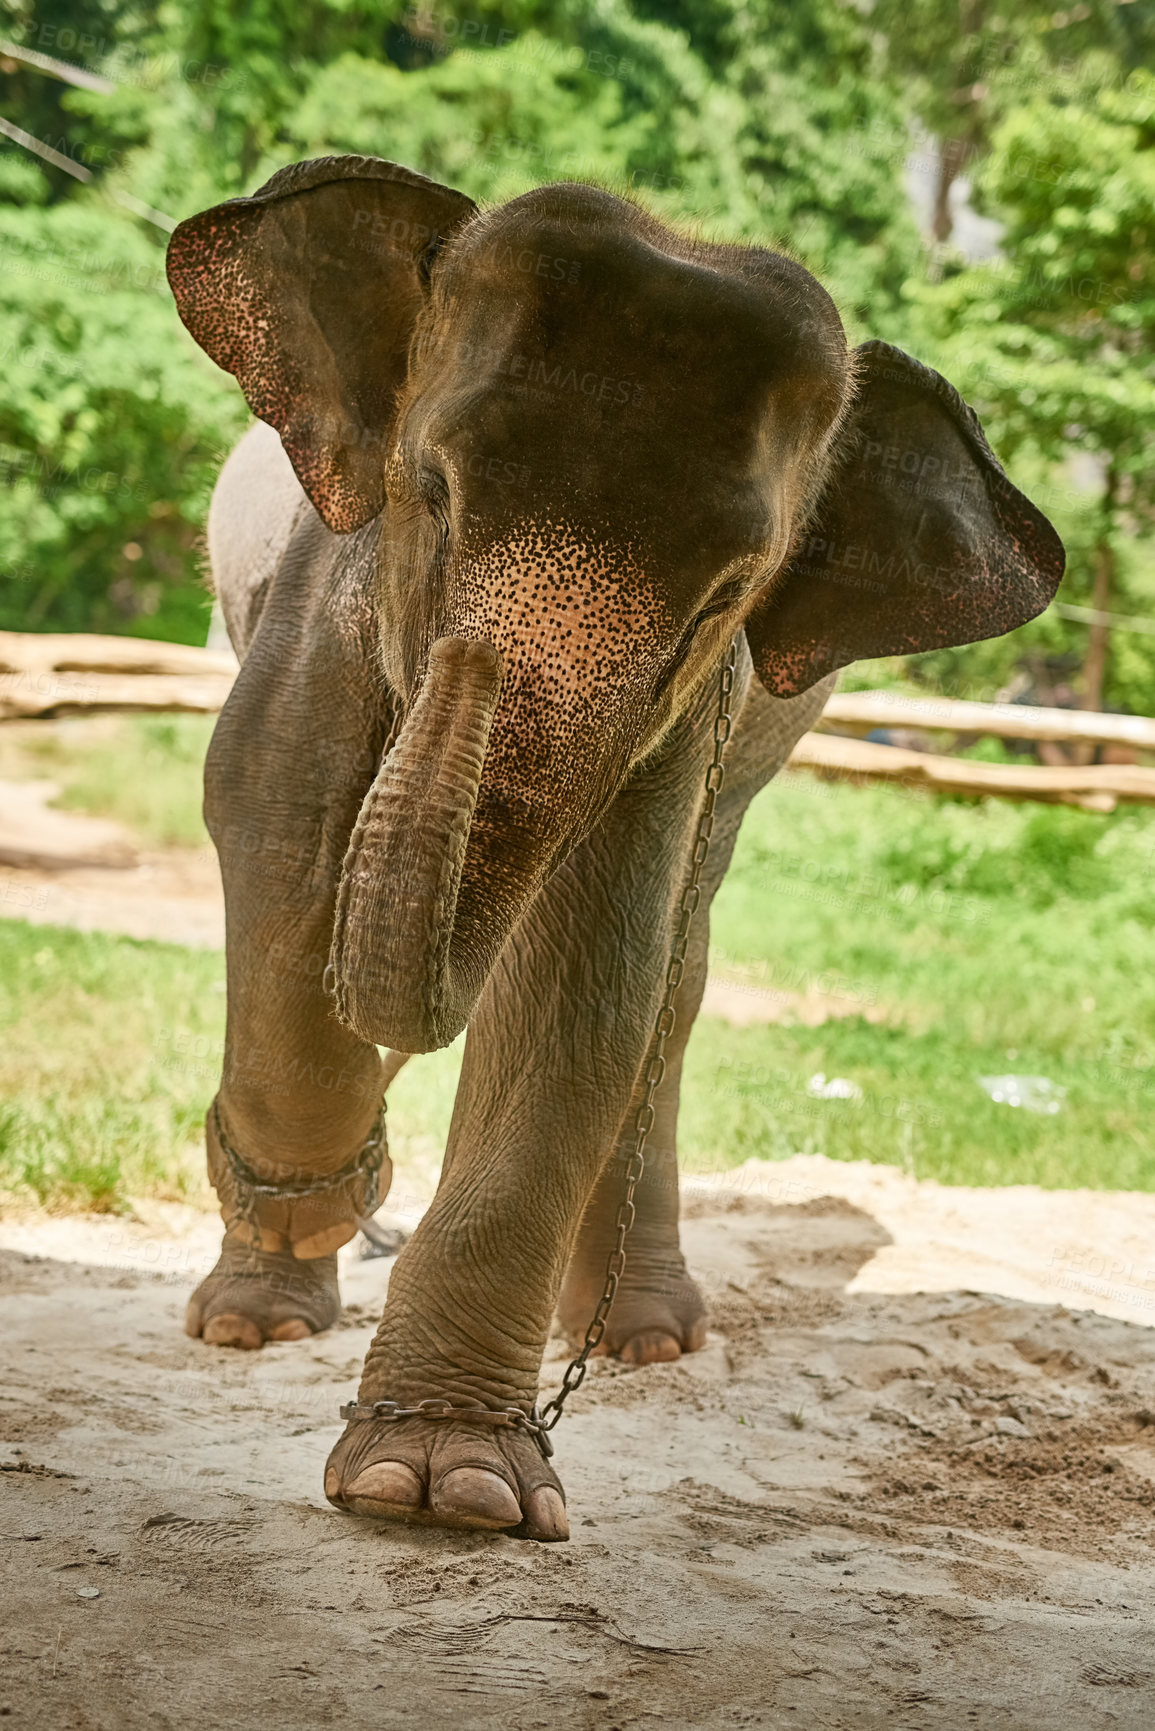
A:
<point x="593" y="449"/>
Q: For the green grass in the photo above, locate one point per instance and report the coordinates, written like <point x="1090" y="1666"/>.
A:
<point x="994" y="938"/>
<point x="998" y="938"/>
<point x="108" y="1056"/>
<point x="110" y="1052"/>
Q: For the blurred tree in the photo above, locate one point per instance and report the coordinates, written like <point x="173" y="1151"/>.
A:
<point x="966" y="64"/>
<point x="1055" y="345"/>
<point x="81" y="33"/>
<point x="771" y="120"/>
<point x="769" y="127"/>
<point x="763" y="123"/>
<point x="112" y="426"/>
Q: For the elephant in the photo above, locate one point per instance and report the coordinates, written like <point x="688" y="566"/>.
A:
<point x="522" y="481"/>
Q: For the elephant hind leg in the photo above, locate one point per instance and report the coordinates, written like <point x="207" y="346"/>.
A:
<point x="658" y="1313"/>
<point x="257" y="504"/>
<point x="252" y="1296"/>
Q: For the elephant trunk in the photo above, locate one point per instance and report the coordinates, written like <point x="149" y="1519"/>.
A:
<point x="406" y="977"/>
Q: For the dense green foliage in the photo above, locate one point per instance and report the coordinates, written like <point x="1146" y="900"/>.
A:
<point x="112" y="426"/>
<point x="111" y="430"/>
<point x="765" y="119"/>
<point x="1055" y="345"/>
<point x="988" y="939"/>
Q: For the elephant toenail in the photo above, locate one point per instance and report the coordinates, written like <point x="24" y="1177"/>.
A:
<point x="391" y="1483"/>
<point x="332" y="1484"/>
<point x="545" y="1516"/>
<point x="296" y="1328"/>
<point x="479" y="1497"/>
<point x="653" y="1347"/>
<point x="228" y="1329"/>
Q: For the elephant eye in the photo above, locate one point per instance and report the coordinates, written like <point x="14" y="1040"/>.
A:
<point x="434" y="497"/>
<point x="729" y="595"/>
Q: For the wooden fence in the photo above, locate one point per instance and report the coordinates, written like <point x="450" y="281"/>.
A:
<point x="867" y="710"/>
<point x="43" y="676"/>
<point x="857" y="761"/>
<point x="48" y="674"/>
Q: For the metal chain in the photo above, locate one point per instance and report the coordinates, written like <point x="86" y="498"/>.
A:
<point x="510" y="1417"/>
<point x="249" y="1185"/>
<point x="575" y="1370"/>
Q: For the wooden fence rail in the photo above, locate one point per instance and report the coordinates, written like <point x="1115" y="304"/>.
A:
<point x="44" y="675"/>
<point x="867" y="710"/>
<point x="855" y="761"/>
<point x="48" y="674"/>
<point x="43" y="696"/>
<point x="83" y="652"/>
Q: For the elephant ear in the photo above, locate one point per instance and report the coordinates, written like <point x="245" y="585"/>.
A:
<point x="307" y="293"/>
<point x="918" y="540"/>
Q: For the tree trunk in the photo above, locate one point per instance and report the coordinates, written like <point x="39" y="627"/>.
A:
<point x="1098" y="641"/>
<point x="951" y="155"/>
<point x="1095" y="665"/>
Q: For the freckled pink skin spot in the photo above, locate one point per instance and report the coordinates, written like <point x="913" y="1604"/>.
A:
<point x="583" y="634"/>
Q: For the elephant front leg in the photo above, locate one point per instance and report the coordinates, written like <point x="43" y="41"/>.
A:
<point x="551" y="1062"/>
<point x="295" y="1144"/>
<point x="295" y="1141"/>
<point x="293" y="1135"/>
<point x="472" y="1294"/>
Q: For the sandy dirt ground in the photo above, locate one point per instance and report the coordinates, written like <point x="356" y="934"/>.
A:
<point x="854" y="1508"/>
<point x="909" y="1483"/>
<point x="62" y="868"/>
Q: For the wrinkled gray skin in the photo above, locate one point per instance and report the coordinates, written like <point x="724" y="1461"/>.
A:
<point x="465" y="755"/>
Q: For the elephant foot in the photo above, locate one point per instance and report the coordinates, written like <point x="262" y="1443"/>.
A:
<point x="252" y="1296"/>
<point x="431" y="1472"/>
<point x="658" y="1314"/>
